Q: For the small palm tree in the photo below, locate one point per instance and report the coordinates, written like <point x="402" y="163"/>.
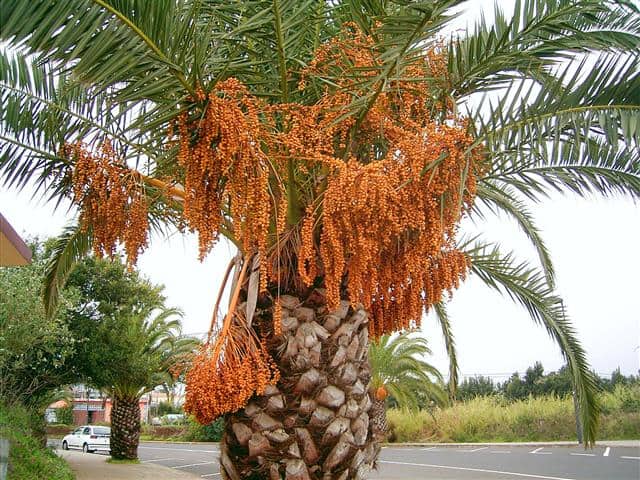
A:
<point x="398" y="371"/>
<point x="128" y="355"/>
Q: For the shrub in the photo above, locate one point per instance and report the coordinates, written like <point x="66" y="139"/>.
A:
<point x="28" y="459"/>
<point x="205" y="433"/>
<point x="64" y="415"/>
<point x="494" y="419"/>
<point x="165" y="432"/>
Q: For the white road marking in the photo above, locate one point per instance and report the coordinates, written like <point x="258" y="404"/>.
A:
<point x="500" y="451"/>
<point x="195" y="464"/>
<point x="527" y="475"/>
<point x="181" y="449"/>
<point x="606" y="452"/>
<point x="538" y="452"/>
<point x="161" y="459"/>
<point x="474" y="450"/>
<point x="209" y="475"/>
<point x="428" y="449"/>
<point x="584" y="454"/>
<point x="631" y="458"/>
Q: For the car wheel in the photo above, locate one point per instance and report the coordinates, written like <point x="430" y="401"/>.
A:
<point x="65" y="445"/>
<point x="85" y="448"/>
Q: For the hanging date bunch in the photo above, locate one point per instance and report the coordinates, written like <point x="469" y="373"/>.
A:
<point x="112" y="200"/>
<point x="232" y="365"/>
<point x="400" y="179"/>
<point x="226" y="174"/>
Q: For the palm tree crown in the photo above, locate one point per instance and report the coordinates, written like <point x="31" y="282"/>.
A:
<point x="397" y="369"/>
<point x="337" y="140"/>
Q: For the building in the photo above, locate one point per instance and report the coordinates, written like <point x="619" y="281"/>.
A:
<point x="91" y="406"/>
<point x="13" y="250"/>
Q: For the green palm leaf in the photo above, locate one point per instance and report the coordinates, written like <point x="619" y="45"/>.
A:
<point x="397" y="365"/>
<point x="535" y="38"/>
<point x="440" y="310"/>
<point x="528" y="287"/>
<point x="69" y="248"/>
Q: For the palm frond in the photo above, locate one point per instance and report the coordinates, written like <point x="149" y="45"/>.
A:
<point x="505" y="200"/>
<point x="442" y="315"/>
<point x="69" y="248"/>
<point x="528" y="287"/>
<point x="538" y="35"/>
<point x="583" y="169"/>
<point x="107" y="43"/>
<point x="572" y="109"/>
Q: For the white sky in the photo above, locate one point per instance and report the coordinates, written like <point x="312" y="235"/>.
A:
<point x="594" y="244"/>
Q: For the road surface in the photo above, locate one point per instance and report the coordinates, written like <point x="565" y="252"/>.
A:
<point x="469" y="462"/>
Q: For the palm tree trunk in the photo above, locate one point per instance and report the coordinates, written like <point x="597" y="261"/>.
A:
<point x="125" y="427"/>
<point x="314" y="424"/>
<point x="378" y="414"/>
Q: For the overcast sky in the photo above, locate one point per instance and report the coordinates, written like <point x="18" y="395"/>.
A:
<point x="594" y="244"/>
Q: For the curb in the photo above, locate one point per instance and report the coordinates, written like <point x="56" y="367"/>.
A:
<point x="180" y="442"/>
<point x="603" y="443"/>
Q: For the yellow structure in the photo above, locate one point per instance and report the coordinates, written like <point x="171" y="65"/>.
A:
<point x="13" y="250"/>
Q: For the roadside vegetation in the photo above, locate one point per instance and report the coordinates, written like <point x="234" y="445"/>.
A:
<point x="109" y="329"/>
<point x="28" y="458"/>
<point x="497" y="418"/>
<point x="189" y="431"/>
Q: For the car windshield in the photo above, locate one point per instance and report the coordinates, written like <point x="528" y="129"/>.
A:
<point x="101" y="430"/>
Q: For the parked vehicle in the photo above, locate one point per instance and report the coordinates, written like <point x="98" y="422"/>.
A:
<point x="89" y="438"/>
<point x="171" y="418"/>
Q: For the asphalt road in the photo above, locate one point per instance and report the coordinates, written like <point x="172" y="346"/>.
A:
<point x="445" y="462"/>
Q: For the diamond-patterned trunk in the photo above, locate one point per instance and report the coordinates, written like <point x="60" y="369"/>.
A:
<point x="314" y="425"/>
<point x="125" y="427"/>
<point x="378" y="415"/>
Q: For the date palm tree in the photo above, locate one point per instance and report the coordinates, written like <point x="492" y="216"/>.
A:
<point x="127" y="346"/>
<point x="399" y="371"/>
<point x="337" y="145"/>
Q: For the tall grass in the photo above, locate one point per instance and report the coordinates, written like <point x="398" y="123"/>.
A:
<point x="493" y="419"/>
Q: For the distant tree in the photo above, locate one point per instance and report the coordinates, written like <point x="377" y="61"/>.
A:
<point x="533" y="378"/>
<point x="165" y="408"/>
<point x="617" y="378"/>
<point x="557" y="383"/>
<point x="129" y="342"/>
<point x="35" y="351"/>
<point x="478" y="386"/>
<point x="514" y="388"/>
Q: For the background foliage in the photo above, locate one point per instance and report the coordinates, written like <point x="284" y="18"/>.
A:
<point x="28" y="460"/>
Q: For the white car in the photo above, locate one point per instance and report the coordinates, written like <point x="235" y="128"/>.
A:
<point x="89" y="438"/>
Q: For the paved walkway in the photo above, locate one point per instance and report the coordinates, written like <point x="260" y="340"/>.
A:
<point x="95" y="467"/>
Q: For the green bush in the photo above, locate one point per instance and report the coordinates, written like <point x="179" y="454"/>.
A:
<point x="205" y="433"/>
<point x="492" y="419"/>
<point x="28" y="459"/>
<point x="192" y="431"/>
<point x="64" y="415"/>
<point x="165" y="432"/>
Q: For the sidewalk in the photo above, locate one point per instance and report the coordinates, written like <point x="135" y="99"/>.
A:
<point x="95" y="467"/>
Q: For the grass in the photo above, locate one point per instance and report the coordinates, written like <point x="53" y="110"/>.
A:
<point x="28" y="458"/>
<point x="492" y="419"/>
<point x="125" y="461"/>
